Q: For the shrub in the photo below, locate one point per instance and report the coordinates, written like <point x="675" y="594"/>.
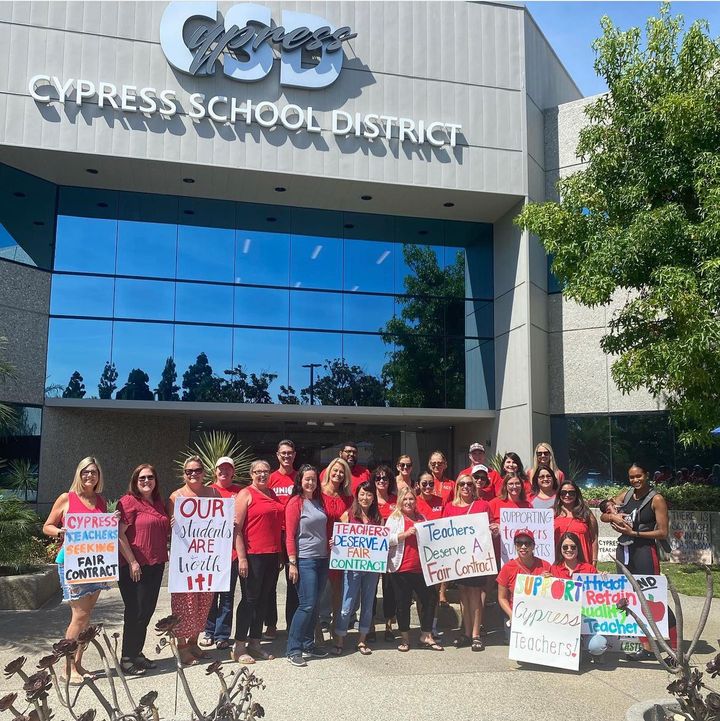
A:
<point x="687" y="497"/>
<point x="19" y="534"/>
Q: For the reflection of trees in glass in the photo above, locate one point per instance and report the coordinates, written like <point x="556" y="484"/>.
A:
<point x="107" y="385"/>
<point x="424" y="370"/>
<point x="238" y="390"/>
<point x="136" y="388"/>
<point x="287" y="396"/>
<point x="167" y="390"/>
<point x="198" y="380"/>
<point x="643" y="438"/>
<point x="7" y="371"/>
<point x="589" y="443"/>
<point x="75" y="388"/>
<point x="346" y="385"/>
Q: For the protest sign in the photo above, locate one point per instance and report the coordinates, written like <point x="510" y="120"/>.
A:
<point x="606" y="548"/>
<point x="546" y="621"/>
<point x="601" y="592"/>
<point x="538" y="520"/>
<point x="455" y="548"/>
<point x="689" y="537"/>
<point x="357" y="547"/>
<point x="201" y="548"/>
<point x="91" y="547"/>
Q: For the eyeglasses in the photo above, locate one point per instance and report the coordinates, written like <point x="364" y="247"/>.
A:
<point x="426" y="484"/>
<point x="405" y="465"/>
<point x="527" y="544"/>
<point x="146" y="478"/>
<point x="568" y="493"/>
<point x="92" y="472"/>
<point x="261" y="473"/>
<point x="193" y="471"/>
<point x="569" y="548"/>
<point x="462" y="484"/>
<point x="436" y="463"/>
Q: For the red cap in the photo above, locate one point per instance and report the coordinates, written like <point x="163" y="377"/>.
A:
<point x="524" y="532"/>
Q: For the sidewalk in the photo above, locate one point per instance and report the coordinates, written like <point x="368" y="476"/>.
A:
<point x="419" y="685"/>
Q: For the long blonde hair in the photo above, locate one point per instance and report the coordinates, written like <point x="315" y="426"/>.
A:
<point x="552" y="463"/>
<point x="345" y="489"/>
<point x="456" y="493"/>
<point x="76" y="486"/>
<point x="402" y="494"/>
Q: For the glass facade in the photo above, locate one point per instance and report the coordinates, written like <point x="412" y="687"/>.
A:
<point x="179" y="298"/>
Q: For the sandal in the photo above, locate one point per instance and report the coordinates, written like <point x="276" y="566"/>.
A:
<point x="431" y="646"/>
<point x="131" y="668"/>
<point x="145" y="662"/>
<point x="403" y="647"/>
<point x="364" y="650"/>
<point x="244" y="658"/>
<point x="198" y="652"/>
<point x="257" y="653"/>
<point x="477" y="644"/>
<point x="207" y="641"/>
<point x="222" y="645"/>
<point x="336" y="650"/>
<point x="462" y="641"/>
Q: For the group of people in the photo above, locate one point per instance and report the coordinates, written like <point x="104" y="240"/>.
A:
<point x="284" y="519"/>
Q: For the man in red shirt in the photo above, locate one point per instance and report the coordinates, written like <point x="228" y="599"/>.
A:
<point x="526" y="563"/>
<point x="219" y="620"/>
<point x="282" y="481"/>
<point x="349" y="454"/>
<point x="477" y="457"/>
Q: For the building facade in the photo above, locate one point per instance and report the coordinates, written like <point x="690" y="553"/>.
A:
<point x="289" y="220"/>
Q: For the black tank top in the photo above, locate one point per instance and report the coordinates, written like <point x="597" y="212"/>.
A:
<point x="644" y="520"/>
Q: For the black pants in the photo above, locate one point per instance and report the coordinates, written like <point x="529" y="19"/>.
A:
<point x="291" y="602"/>
<point x="256" y="590"/>
<point x="389" y="605"/>
<point x="405" y="584"/>
<point x="140" y="600"/>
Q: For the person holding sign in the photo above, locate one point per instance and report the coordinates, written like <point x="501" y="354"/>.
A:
<point x="484" y="488"/>
<point x="569" y="558"/>
<point x="526" y="563"/>
<point x="83" y="497"/>
<point x="386" y="492"/>
<point x="406" y="569"/>
<point x="359" y="587"/>
<point x="306" y="540"/>
<point x="472" y="589"/>
<point x="512" y="495"/>
<point x="144" y="529"/>
<point x="544" y="487"/>
<point x="191" y="608"/>
<point x="572" y="514"/>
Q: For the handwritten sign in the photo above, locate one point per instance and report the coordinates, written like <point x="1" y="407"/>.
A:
<point x="455" y="548"/>
<point x="91" y="547"/>
<point x="357" y="547"/>
<point x="606" y="548"/>
<point x="538" y="520"/>
<point x="689" y="537"/>
<point x="603" y="591"/>
<point x="546" y="621"/>
<point x="201" y="548"/>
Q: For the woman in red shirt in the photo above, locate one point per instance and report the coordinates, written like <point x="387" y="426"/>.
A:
<point x="512" y="495"/>
<point x="143" y="537"/>
<point x="544" y="487"/>
<point x="407" y="576"/>
<point x="472" y="590"/>
<point x="444" y="486"/>
<point x="544" y="454"/>
<point x="573" y="514"/>
<point x="512" y="466"/>
<point x="484" y="489"/>
<point x="404" y="467"/>
<point x="428" y="504"/>
<point x="259" y="519"/>
<point x="569" y="558"/>
<point x="386" y="490"/>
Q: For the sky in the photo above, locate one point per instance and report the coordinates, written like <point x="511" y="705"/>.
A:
<point x="571" y="27"/>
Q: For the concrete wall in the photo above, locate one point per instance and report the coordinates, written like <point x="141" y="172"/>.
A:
<point x="24" y="303"/>
<point x="121" y="441"/>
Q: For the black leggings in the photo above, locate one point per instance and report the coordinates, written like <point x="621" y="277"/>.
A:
<point x="405" y="584"/>
<point x="140" y="600"/>
<point x="256" y="593"/>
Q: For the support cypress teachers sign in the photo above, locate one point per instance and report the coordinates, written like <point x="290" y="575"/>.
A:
<point x="455" y="548"/>
<point x="201" y="549"/>
<point x="91" y="547"/>
<point x="359" y="547"/>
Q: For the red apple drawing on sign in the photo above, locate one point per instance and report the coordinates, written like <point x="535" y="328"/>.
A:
<point x="679" y="534"/>
<point x="657" y="609"/>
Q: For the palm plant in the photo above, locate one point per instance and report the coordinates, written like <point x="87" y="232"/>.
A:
<point x="22" y="476"/>
<point x="576" y="470"/>
<point x="7" y="372"/>
<point x="213" y="445"/>
<point x="495" y="462"/>
<point x="18" y="525"/>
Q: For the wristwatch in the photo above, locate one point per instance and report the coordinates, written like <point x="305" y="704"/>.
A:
<point x="292" y="563"/>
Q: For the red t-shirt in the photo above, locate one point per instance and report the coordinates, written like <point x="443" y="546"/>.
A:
<point x="444" y="488"/>
<point x="493" y="476"/>
<point x="385" y="509"/>
<point x="512" y="569"/>
<point x="263" y="523"/>
<point x="477" y="506"/>
<point x="582" y="529"/>
<point x="282" y="484"/>
<point x="559" y="570"/>
<point x="146" y="528"/>
<point x="497" y="503"/>
<point x="335" y="506"/>
<point x="230" y="492"/>
<point x="411" y="555"/>
<point x="431" y="508"/>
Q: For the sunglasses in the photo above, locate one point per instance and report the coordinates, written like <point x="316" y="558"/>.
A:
<point x="527" y="544"/>
<point x="426" y="484"/>
<point x="146" y="478"/>
<point x="569" y="548"/>
<point x="382" y="479"/>
<point x="193" y="471"/>
<point x="568" y="493"/>
<point x="462" y="484"/>
<point x="405" y="465"/>
<point x="543" y="453"/>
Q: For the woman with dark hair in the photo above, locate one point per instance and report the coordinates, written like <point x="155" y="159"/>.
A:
<point x="512" y="495"/>
<point x="143" y="537"/>
<point x="513" y="466"/>
<point x="544" y="487"/>
<point x="572" y="514"/>
<point x="384" y="481"/>
<point x="359" y="587"/>
<point x="404" y="468"/>
<point x="308" y="550"/>
<point x="569" y="558"/>
<point x="428" y="504"/>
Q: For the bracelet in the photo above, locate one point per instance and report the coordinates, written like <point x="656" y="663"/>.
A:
<point x="292" y="563"/>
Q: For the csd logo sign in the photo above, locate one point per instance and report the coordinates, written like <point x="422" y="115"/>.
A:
<point x="245" y="41"/>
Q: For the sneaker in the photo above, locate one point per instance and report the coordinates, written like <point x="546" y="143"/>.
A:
<point x="297" y="660"/>
<point x="315" y="652"/>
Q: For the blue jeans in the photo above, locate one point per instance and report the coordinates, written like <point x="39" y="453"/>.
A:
<point x="313" y="573"/>
<point x="219" y="620"/>
<point x="358" y="589"/>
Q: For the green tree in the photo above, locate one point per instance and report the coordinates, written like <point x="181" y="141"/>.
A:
<point x="167" y="390"/>
<point x="18" y="526"/>
<point x="22" y="476"/>
<point x="136" y="388"/>
<point x="424" y="370"/>
<point x="346" y="385"/>
<point x="107" y="385"/>
<point x="198" y="381"/>
<point x="257" y="390"/>
<point x="75" y="388"/>
<point x="287" y="396"/>
<point x="642" y="218"/>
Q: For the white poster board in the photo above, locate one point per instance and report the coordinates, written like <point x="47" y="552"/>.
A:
<point x="201" y="547"/>
<point x="91" y="548"/>
<point x="541" y="521"/>
<point x="359" y="547"/>
<point x="455" y="548"/>
<point x="689" y="537"/>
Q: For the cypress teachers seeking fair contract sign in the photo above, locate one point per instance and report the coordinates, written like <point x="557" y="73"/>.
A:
<point x="538" y="520"/>
<point x="455" y="548"/>
<point x="546" y="621"/>
<point x="201" y="548"/>
<point x="357" y="547"/>
<point x="91" y="547"/>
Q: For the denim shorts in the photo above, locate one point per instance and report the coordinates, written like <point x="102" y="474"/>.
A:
<point x="76" y="591"/>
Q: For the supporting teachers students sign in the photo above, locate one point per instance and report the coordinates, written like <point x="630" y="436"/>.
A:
<point x="455" y="548"/>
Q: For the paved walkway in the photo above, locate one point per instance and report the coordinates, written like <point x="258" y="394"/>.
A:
<point x="419" y="685"/>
